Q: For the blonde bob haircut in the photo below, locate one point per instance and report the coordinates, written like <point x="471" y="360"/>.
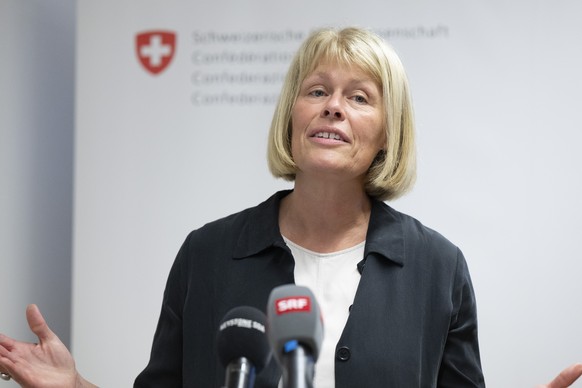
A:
<point x="393" y="171"/>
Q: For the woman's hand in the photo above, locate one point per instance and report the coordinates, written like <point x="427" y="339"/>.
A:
<point x="565" y="378"/>
<point x="46" y="364"/>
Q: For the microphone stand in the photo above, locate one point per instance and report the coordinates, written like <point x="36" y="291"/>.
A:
<point x="240" y="373"/>
<point x="302" y="366"/>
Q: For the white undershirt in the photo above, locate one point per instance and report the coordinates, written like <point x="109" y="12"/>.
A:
<point x="333" y="278"/>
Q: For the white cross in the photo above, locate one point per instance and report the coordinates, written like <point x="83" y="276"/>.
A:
<point x="155" y="51"/>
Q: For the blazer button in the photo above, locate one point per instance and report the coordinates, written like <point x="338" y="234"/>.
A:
<point x="343" y="353"/>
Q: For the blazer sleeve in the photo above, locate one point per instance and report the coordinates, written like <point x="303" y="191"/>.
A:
<point x="165" y="365"/>
<point x="461" y="363"/>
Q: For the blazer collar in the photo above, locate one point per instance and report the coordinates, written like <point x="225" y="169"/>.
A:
<point x="385" y="233"/>
<point x="260" y="231"/>
<point x="261" y="228"/>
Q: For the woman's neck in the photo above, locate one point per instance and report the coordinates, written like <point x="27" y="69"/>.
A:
<point x="323" y="217"/>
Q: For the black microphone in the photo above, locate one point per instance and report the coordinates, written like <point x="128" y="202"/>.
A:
<point x="242" y="346"/>
<point x="295" y="331"/>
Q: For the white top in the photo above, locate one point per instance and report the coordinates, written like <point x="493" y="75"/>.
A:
<point x="333" y="278"/>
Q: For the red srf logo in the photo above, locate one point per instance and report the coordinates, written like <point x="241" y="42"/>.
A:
<point x="293" y="304"/>
<point x="155" y="49"/>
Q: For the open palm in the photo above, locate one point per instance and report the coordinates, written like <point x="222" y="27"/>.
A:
<point x="46" y="364"/>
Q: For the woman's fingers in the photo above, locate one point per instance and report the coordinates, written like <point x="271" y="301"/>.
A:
<point x="5" y="357"/>
<point x="566" y="377"/>
<point x="6" y="342"/>
<point x="37" y="323"/>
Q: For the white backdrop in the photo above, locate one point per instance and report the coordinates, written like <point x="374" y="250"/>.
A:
<point x="497" y="94"/>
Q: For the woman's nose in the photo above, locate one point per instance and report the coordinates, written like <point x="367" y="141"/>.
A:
<point x="337" y="114"/>
<point x="333" y="109"/>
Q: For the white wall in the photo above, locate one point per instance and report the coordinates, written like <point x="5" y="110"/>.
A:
<point x="36" y="162"/>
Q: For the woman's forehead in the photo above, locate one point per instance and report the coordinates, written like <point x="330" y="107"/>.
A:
<point x="326" y="67"/>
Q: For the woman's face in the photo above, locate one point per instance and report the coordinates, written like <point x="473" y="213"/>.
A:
<point x="337" y="122"/>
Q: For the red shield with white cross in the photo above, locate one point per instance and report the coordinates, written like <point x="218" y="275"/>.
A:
<point x="155" y="49"/>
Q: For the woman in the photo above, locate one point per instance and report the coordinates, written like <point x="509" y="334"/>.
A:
<point x="397" y="300"/>
<point x="343" y="131"/>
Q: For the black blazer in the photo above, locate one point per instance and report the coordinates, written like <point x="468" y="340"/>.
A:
<point x="413" y="322"/>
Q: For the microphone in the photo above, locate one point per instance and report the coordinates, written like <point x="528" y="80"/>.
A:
<point x="295" y="332"/>
<point x="242" y="346"/>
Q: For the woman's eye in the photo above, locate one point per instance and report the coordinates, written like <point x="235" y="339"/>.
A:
<point x="317" y="93"/>
<point x="360" y="99"/>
